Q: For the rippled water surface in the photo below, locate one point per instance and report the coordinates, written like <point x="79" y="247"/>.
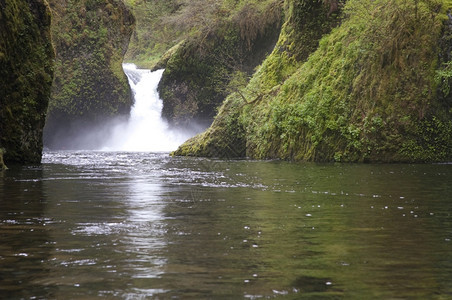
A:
<point x="87" y="225"/>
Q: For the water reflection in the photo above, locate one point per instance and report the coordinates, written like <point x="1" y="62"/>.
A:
<point x="112" y="235"/>
<point x="24" y="234"/>
<point x="146" y="240"/>
<point x="140" y="225"/>
<point x="307" y="230"/>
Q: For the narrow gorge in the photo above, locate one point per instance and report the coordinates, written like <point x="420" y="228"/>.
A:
<point x="348" y="81"/>
<point x="225" y="149"/>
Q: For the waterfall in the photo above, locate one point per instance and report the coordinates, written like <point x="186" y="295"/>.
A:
<point x="145" y="130"/>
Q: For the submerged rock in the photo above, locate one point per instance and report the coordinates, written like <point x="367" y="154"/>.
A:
<point x="26" y="74"/>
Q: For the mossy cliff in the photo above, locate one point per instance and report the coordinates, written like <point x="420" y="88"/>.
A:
<point x="26" y="72"/>
<point x="227" y="41"/>
<point x="377" y="88"/>
<point x="90" y="38"/>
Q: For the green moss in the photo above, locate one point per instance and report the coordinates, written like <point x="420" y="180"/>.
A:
<point x="25" y="78"/>
<point x="225" y="138"/>
<point x="356" y="99"/>
<point x="369" y="92"/>
<point x="431" y="141"/>
<point x="236" y="39"/>
<point x="91" y="38"/>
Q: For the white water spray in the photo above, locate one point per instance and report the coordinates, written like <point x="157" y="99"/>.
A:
<point x="145" y="129"/>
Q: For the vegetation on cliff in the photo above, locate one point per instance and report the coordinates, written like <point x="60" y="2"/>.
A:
<point x="26" y="73"/>
<point x="203" y="46"/>
<point x="90" y="38"/>
<point x="377" y="88"/>
<point x="226" y="41"/>
<point x="155" y="33"/>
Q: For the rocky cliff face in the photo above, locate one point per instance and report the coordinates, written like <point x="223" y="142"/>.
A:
<point x="305" y="23"/>
<point x="90" y="38"/>
<point x="377" y="88"/>
<point x="230" y="40"/>
<point x="26" y="73"/>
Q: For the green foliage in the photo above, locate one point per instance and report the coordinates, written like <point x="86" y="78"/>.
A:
<point x="201" y="44"/>
<point x="154" y="35"/>
<point x="367" y="93"/>
<point x="431" y="141"/>
<point x="275" y="69"/>
<point x="444" y="77"/>
<point x="221" y="42"/>
<point x="368" y="84"/>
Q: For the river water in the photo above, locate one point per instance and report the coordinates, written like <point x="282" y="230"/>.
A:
<point x="133" y="225"/>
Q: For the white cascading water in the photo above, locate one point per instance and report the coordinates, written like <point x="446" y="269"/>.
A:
<point x="145" y="129"/>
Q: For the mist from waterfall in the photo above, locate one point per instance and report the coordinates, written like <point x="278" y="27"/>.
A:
<point x="145" y="130"/>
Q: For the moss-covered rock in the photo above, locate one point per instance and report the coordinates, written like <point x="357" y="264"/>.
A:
<point x="306" y="22"/>
<point x="375" y="89"/>
<point x="236" y="38"/>
<point x="26" y="73"/>
<point x="225" y="138"/>
<point x="91" y="38"/>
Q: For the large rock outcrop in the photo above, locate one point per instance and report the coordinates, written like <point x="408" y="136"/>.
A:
<point x="377" y="88"/>
<point x="26" y="73"/>
<point x="228" y="41"/>
<point x="90" y="87"/>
